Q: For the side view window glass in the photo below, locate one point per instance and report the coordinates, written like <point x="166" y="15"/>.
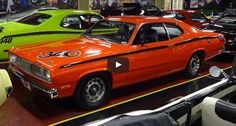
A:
<point x="80" y="21"/>
<point x="161" y="32"/>
<point x="150" y="33"/>
<point x="72" y="22"/>
<point x="173" y="30"/>
<point x="89" y="20"/>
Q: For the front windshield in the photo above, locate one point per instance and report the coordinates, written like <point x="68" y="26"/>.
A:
<point x="111" y="31"/>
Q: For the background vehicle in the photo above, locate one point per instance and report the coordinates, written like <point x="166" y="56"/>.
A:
<point x="131" y="9"/>
<point x="45" y="25"/>
<point x="191" y="17"/>
<point x="214" y="105"/>
<point x="153" y="46"/>
<point x="226" y="25"/>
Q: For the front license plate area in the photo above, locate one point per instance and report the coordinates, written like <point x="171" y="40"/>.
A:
<point x="26" y="84"/>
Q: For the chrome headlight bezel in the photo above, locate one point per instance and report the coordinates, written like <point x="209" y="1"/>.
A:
<point x="12" y="58"/>
<point x="33" y="69"/>
<point x="41" y="72"/>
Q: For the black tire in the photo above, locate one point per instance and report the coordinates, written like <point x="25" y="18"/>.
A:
<point x="194" y="65"/>
<point x="92" y="91"/>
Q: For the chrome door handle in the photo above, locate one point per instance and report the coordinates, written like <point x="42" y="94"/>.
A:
<point x="171" y="45"/>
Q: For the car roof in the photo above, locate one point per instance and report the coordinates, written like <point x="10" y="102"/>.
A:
<point x="140" y="19"/>
<point x="66" y="12"/>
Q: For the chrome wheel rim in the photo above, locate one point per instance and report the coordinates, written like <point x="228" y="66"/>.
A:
<point x="94" y="90"/>
<point x="195" y="64"/>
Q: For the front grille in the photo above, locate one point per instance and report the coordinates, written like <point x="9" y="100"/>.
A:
<point x="23" y="64"/>
<point x="30" y="68"/>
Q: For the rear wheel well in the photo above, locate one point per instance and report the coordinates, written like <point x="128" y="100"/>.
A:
<point x="195" y="63"/>
<point x="201" y="53"/>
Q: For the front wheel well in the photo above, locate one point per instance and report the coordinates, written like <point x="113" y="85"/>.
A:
<point x="92" y="90"/>
<point x="106" y="73"/>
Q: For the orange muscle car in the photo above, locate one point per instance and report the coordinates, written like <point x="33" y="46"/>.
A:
<point x="152" y="46"/>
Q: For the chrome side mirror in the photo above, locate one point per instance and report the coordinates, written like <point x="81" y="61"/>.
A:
<point x="215" y="71"/>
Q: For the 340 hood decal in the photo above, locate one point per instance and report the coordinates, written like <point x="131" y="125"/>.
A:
<point x="71" y="53"/>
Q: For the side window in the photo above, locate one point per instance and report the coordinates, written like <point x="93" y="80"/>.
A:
<point x="173" y="30"/>
<point x="89" y="20"/>
<point x="72" y="22"/>
<point x="149" y="33"/>
<point x="161" y="32"/>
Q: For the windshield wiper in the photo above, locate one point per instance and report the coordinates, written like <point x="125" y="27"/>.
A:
<point x="87" y="36"/>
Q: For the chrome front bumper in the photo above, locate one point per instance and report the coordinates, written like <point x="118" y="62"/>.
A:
<point x="33" y="85"/>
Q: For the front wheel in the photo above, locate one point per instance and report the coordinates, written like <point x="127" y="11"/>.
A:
<point x="194" y="65"/>
<point x="92" y="91"/>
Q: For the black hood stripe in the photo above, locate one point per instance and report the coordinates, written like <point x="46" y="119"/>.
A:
<point x="42" y="33"/>
<point x="138" y="51"/>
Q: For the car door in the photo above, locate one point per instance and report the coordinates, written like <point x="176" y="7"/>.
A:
<point x="176" y="34"/>
<point x="152" y="55"/>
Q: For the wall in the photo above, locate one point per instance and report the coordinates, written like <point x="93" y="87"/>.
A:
<point x="83" y="4"/>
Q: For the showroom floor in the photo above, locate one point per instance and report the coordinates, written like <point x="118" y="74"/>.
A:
<point x="24" y="108"/>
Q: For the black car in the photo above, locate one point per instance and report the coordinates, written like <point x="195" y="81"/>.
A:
<point x="131" y="9"/>
<point x="226" y="25"/>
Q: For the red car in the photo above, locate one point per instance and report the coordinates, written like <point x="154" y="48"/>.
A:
<point x="191" y="17"/>
<point x="152" y="46"/>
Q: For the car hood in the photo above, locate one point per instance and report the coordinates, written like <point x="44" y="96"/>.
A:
<point x="12" y="28"/>
<point x="58" y="54"/>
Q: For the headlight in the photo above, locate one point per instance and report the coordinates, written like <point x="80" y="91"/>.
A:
<point x="41" y="72"/>
<point x="12" y="58"/>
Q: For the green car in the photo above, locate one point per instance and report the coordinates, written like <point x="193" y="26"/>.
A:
<point x="45" y="26"/>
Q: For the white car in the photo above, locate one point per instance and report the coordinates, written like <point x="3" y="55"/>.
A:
<point x="5" y="86"/>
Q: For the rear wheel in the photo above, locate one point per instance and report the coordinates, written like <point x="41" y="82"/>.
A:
<point x="194" y="65"/>
<point x="92" y="91"/>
